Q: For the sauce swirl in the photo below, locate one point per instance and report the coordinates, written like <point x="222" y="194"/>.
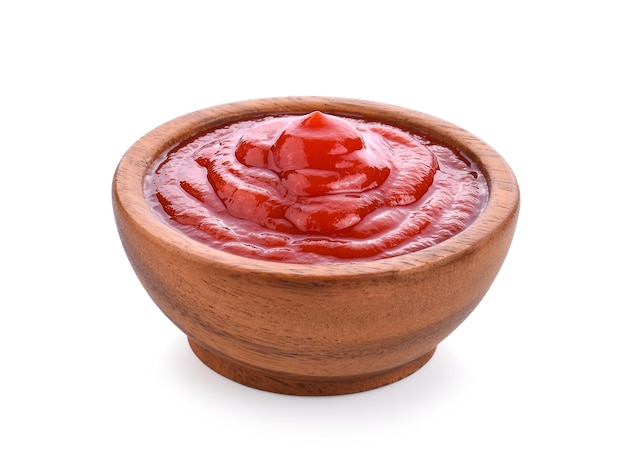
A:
<point x="315" y="188"/>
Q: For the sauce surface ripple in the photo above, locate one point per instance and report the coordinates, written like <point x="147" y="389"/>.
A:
<point x="315" y="189"/>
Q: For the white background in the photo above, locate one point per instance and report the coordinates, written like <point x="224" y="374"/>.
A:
<point x="94" y="374"/>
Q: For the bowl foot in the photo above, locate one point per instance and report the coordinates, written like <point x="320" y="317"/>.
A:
<point x="285" y="383"/>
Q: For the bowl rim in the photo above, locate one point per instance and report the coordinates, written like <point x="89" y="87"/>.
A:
<point x="128" y="183"/>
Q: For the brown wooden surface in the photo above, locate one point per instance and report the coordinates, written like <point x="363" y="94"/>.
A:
<point x="314" y="329"/>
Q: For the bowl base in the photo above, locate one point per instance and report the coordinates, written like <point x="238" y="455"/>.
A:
<point x="284" y="383"/>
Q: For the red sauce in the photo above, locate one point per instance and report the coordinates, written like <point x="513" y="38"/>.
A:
<point x="315" y="189"/>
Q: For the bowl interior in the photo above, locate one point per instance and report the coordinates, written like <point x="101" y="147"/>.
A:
<point x="502" y="204"/>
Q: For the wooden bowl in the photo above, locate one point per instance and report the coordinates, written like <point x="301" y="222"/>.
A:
<point x="318" y="329"/>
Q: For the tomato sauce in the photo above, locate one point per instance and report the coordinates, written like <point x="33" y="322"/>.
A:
<point x="315" y="188"/>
